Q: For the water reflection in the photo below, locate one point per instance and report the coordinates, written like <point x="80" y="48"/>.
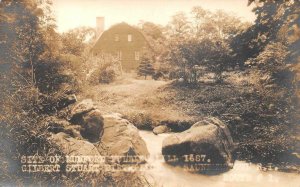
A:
<point x="242" y="175"/>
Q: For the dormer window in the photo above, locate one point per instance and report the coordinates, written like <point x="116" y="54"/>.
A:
<point x="129" y="38"/>
<point x="117" y="38"/>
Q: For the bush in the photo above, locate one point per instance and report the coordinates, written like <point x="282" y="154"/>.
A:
<point x="107" y="76"/>
<point x="103" y="70"/>
<point x="102" y="75"/>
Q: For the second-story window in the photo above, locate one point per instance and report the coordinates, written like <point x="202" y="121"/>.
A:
<point x="117" y="38"/>
<point x="129" y="37"/>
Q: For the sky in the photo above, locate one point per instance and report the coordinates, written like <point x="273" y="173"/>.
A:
<point x="74" y="13"/>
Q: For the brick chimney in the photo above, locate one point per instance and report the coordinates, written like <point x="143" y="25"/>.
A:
<point x="99" y="25"/>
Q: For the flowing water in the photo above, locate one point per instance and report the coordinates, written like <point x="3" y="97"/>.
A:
<point x="242" y="175"/>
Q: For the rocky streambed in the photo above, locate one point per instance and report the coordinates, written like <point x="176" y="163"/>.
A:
<point x="172" y="159"/>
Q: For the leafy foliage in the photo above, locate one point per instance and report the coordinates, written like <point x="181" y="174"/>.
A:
<point x="77" y="40"/>
<point x="219" y="42"/>
<point x="277" y="21"/>
<point x="30" y="84"/>
<point x="267" y="49"/>
<point x="204" y="41"/>
<point x="105" y="70"/>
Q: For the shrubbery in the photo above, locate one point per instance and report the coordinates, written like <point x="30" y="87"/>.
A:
<point x="103" y="71"/>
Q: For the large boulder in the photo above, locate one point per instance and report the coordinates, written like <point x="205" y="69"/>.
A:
<point x="121" y="138"/>
<point x="207" y="142"/>
<point x="82" y="108"/>
<point x="161" y="129"/>
<point x="89" y="118"/>
<point x="71" y="146"/>
<point x="92" y="125"/>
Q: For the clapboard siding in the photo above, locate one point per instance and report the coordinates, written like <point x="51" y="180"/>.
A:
<point x="106" y="44"/>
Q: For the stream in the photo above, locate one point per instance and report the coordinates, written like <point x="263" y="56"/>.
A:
<point x="242" y="175"/>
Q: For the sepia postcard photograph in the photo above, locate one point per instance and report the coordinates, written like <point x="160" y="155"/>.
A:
<point x="150" y="93"/>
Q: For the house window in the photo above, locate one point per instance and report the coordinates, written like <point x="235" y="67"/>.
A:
<point x="129" y="37"/>
<point x="117" y="38"/>
<point x="137" y="55"/>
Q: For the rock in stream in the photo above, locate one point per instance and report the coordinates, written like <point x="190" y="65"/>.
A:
<point x="206" y="142"/>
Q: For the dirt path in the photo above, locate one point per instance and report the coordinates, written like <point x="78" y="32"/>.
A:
<point x="129" y="95"/>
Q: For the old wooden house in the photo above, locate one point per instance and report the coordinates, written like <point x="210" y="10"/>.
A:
<point x="123" y="42"/>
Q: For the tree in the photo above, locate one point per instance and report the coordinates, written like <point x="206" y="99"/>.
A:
<point x="30" y="44"/>
<point x="29" y="84"/>
<point x="155" y="37"/>
<point x="145" y="68"/>
<point x="77" y="40"/>
<point x="204" y="41"/>
<point x="277" y="24"/>
<point x="179" y="26"/>
<point x="268" y="48"/>
<point x="152" y="30"/>
<point x="277" y="21"/>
